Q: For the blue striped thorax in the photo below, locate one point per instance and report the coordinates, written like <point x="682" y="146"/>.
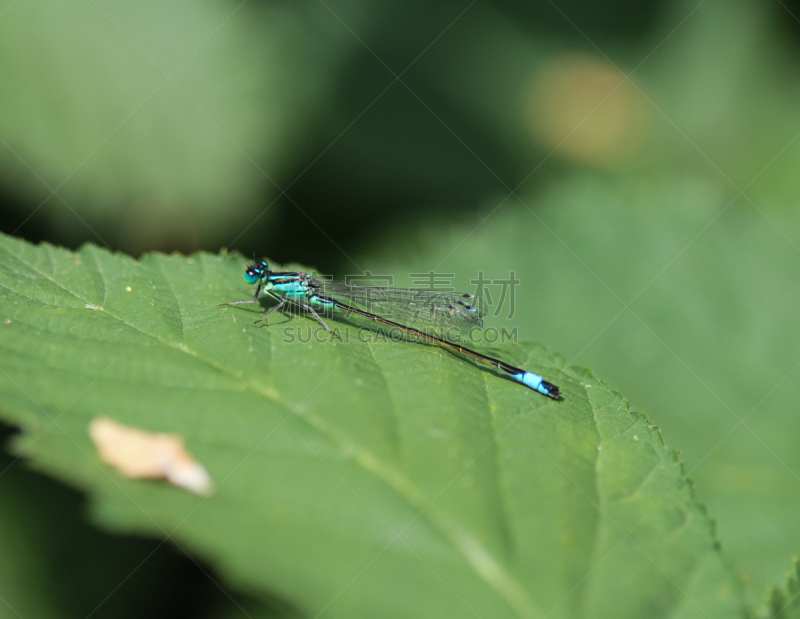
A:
<point x="289" y="285"/>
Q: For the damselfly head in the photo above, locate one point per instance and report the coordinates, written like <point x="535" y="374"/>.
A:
<point x="256" y="271"/>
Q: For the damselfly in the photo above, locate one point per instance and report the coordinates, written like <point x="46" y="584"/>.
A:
<point x="394" y="307"/>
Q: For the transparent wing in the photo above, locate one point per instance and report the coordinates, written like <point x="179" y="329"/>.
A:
<point x="407" y="306"/>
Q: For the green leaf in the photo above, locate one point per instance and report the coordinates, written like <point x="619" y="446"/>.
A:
<point x="679" y="292"/>
<point x="373" y="478"/>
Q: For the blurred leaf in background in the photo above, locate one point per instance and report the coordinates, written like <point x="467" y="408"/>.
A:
<point x="149" y="125"/>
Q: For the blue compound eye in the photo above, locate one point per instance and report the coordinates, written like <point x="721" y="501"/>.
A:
<point x="251" y="276"/>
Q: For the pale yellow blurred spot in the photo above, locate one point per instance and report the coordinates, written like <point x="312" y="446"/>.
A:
<point x="587" y="111"/>
<point x="139" y="454"/>
<point x="128" y="288"/>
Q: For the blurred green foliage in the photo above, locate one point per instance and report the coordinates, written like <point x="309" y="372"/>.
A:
<point x="654" y="224"/>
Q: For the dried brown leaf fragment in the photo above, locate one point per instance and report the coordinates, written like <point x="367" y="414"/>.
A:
<point x="140" y="454"/>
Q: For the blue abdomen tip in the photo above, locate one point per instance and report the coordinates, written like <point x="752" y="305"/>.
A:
<point x="537" y="383"/>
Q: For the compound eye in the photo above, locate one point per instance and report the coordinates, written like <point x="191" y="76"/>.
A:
<point x="251" y="276"/>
